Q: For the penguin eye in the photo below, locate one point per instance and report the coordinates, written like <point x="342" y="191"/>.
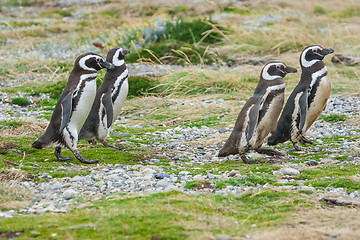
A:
<point x="98" y="60"/>
<point x="314" y="50"/>
<point x="278" y="66"/>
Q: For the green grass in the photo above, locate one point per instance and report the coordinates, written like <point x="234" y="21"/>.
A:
<point x="162" y="216"/>
<point x="348" y="13"/>
<point x="249" y="180"/>
<point x="334" y="118"/>
<point x="318" y="10"/>
<point x="21" y="101"/>
<point x="47" y="162"/>
<point x="7" y="124"/>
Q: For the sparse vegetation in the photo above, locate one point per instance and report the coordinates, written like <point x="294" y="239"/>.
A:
<point x="334" y="118"/>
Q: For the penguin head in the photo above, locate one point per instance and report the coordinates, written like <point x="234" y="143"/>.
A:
<point x="313" y="54"/>
<point x="117" y="56"/>
<point x="92" y="62"/>
<point x="273" y="70"/>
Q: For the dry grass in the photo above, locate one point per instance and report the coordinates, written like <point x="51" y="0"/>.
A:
<point x="326" y="223"/>
<point x="28" y="129"/>
<point x="13" y="196"/>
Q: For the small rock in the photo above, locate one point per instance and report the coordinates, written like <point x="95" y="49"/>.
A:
<point x="222" y="237"/>
<point x="163" y="184"/>
<point x="311" y="163"/>
<point x="70" y="192"/>
<point x="120" y="134"/>
<point x="171" y="188"/>
<point x="289" y="171"/>
<point x="34" y="233"/>
<point x="222" y="130"/>
<point x="161" y="175"/>
<point x="232" y="173"/>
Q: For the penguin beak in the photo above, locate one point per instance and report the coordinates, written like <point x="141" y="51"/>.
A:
<point x="290" y="70"/>
<point x="126" y="51"/>
<point x="326" y="51"/>
<point x="107" y="65"/>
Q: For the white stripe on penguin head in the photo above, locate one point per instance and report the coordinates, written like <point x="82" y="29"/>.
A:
<point x="82" y="62"/>
<point x="265" y="73"/>
<point x="116" y="61"/>
<point x="306" y="63"/>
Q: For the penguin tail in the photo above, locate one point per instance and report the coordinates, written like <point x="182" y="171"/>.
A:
<point x="227" y="150"/>
<point x="39" y="143"/>
<point x="274" y="139"/>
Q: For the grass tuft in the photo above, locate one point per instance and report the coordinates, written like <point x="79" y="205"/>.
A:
<point x="21" y="101"/>
<point x="334" y="118"/>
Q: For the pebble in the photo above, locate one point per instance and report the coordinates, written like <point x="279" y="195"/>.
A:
<point x="311" y="163"/>
<point x="289" y="171"/>
<point x="222" y="237"/>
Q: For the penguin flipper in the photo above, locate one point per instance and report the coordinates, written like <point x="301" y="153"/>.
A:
<point x="107" y="102"/>
<point x="303" y="103"/>
<point x="66" y="107"/>
<point x="253" y="119"/>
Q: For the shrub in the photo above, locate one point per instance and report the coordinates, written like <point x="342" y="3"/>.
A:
<point x="21" y="101"/>
<point x="319" y="10"/>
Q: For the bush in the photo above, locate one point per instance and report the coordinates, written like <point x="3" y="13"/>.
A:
<point x="21" y="101"/>
<point x="140" y="85"/>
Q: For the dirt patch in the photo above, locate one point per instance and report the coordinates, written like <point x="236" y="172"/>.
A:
<point x="28" y="129"/>
<point x="204" y="185"/>
<point x="6" y="146"/>
<point x="13" y="174"/>
<point x="325" y="223"/>
<point x="10" y="235"/>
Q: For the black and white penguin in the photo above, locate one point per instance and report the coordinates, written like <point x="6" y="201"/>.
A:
<point x="108" y="100"/>
<point x="308" y="99"/>
<point x="259" y="115"/>
<point x="73" y="107"/>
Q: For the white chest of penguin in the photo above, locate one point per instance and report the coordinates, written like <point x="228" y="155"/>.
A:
<point x="82" y="109"/>
<point x="120" y="99"/>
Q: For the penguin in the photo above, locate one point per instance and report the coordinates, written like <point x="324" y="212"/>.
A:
<point x="307" y="100"/>
<point x="73" y="107"/>
<point x="259" y="115"/>
<point x="108" y="100"/>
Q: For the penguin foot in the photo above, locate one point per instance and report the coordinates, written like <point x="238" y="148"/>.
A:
<point x="105" y="143"/>
<point x="92" y="141"/>
<point x="83" y="160"/>
<point x="296" y="146"/>
<point x="269" y="152"/>
<point x="58" y="155"/>
<point x="247" y="161"/>
<point x="304" y="140"/>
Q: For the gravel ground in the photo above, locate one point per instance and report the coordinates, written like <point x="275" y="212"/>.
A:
<point x="61" y="194"/>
